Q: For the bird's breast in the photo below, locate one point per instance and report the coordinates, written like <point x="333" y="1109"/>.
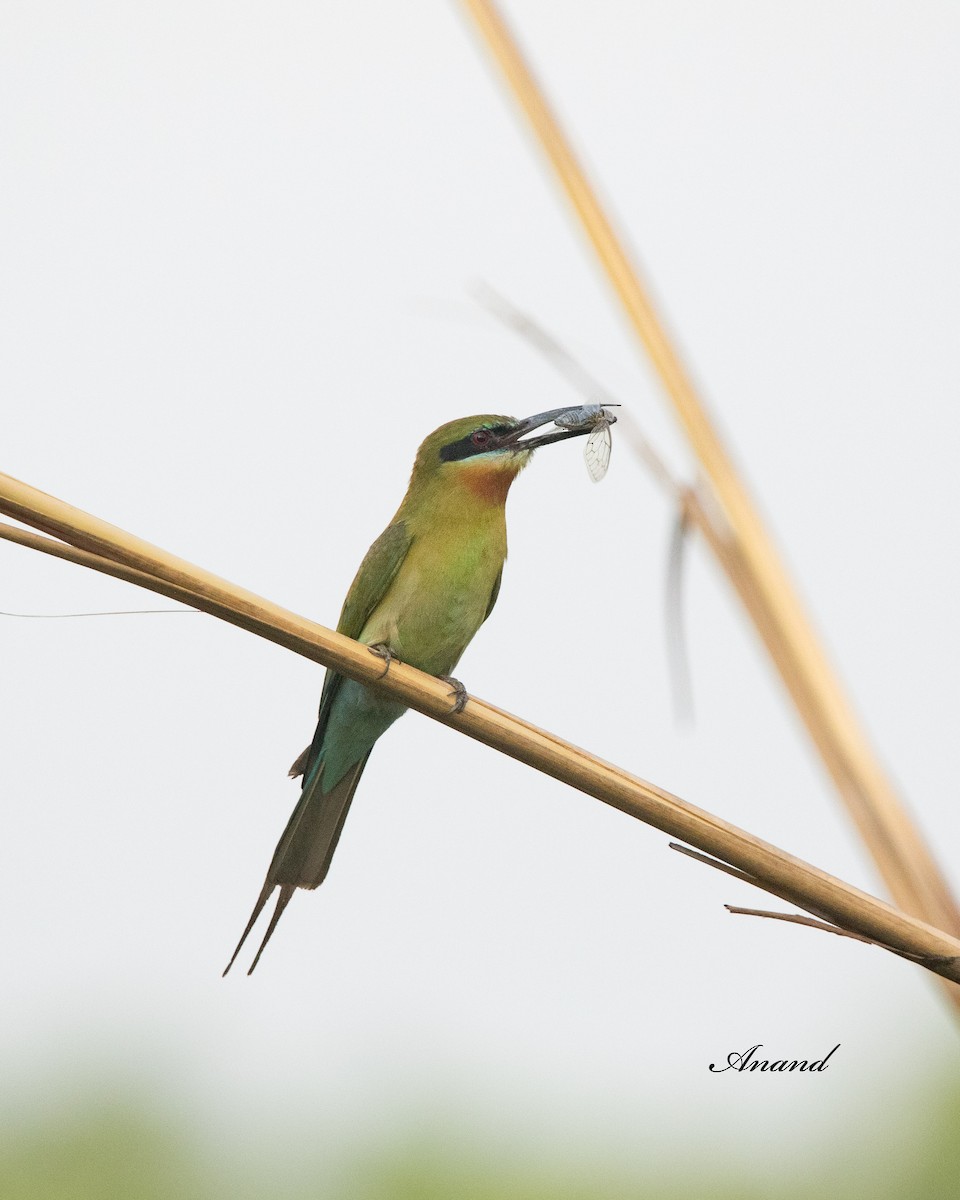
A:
<point x="439" y="598"/>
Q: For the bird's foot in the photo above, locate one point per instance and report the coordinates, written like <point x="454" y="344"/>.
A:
<point x="382" y="650"/>
<point x="459" y="692"/>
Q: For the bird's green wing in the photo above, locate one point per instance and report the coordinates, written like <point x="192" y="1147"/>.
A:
<point x="376" y="572"/>
<point x="494" y="594"/>
<point x="380" y="564"/>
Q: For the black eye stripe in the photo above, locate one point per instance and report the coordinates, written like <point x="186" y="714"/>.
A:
<point x="465" y="447"/>
<point x="455" y="451"/>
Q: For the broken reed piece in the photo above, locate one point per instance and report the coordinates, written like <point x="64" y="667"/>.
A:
<point x="931" y="961"/>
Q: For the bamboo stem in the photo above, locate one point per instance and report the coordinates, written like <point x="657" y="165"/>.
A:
<point x="96" y="562"/>
<point x="746" y="551"/>
<point x="109" y="549"/>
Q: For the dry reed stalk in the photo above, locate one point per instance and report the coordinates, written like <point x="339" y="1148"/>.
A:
<point x="103" y="547"/>
<point x="744" y="549"/>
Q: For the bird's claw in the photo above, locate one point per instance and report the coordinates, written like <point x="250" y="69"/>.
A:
<point x="459" y="692"/>
<point x="382" y="650"/>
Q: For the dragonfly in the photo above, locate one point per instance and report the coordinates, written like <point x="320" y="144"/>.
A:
<point x="596" y="452"/>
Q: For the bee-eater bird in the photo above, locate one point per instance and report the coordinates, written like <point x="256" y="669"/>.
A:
<point x="423" y="590"/>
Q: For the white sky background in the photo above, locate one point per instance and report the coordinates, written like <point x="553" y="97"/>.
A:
<point x="234" y="249"/>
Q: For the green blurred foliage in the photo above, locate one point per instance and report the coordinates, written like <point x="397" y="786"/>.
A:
<point x="117" y="1147"/>
<point x="100" y="1149"/>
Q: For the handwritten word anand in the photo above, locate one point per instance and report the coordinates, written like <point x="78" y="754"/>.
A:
<point x="747" y="1060"/>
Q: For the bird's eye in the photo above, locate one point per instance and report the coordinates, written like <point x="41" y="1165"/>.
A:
<point x="481" y="437"/>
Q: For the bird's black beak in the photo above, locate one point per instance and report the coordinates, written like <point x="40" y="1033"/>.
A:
<point x="528" y="424"/>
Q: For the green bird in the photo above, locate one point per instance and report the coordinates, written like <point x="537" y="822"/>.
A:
<point x="425" y="587"/>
